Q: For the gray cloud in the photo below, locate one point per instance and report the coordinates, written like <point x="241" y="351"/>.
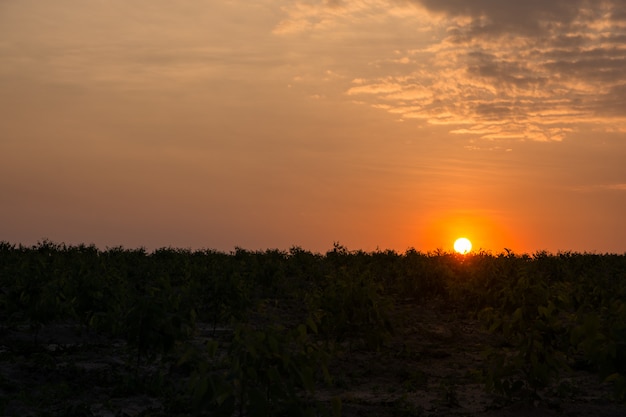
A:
<point x="529" y="17"/>
<point x="516" y="69"/>
<point x="531" y="69"/>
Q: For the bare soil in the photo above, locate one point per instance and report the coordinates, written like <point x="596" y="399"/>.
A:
<point x="432" y="366"/>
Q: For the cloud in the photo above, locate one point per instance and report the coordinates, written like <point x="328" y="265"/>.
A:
<point x="620" y="187"/>
<point x="530" y="70"/>
<point x="145" y="45"/>
<point x="375" y="88"/>
<point x="529" y="17"/>
<point x="331" y="15"/>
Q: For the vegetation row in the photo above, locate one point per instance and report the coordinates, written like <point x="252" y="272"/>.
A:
<point x="277" y="318"/>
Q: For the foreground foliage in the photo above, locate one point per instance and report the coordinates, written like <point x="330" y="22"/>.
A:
<point x="277" y="319"/>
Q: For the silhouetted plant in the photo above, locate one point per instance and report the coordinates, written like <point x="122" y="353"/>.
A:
<point x="267" y="372"/>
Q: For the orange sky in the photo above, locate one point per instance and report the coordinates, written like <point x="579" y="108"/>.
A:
<point x="373" y="123"/>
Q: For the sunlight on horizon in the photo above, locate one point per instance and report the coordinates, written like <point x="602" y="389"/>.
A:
<point x="279" y="123"/>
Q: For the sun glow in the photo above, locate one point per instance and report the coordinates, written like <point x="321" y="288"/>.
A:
<point x="462" y="245"/>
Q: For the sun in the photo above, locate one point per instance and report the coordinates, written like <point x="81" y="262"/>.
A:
<point x="462" y="245"/>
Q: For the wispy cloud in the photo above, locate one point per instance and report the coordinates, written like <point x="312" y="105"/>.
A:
<point x="305" y="16"/>
<point x="136" y="45"/>
<point x="601" y="187"/>
<point x="509" y="69"/>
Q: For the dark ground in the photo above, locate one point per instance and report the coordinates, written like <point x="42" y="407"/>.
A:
<point x="432" y="367"/>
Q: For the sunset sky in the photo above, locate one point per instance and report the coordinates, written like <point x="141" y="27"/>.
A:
<point x="388" y="124"/>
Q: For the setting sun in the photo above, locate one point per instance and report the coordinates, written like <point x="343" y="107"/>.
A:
<point x="462" y="245"/>
<point x="370" y="146"/>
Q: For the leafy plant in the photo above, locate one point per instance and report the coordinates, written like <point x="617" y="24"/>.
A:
<point x="532" y="324"/>
<point x="352" y="307"/>
<point x="267" y="372"/>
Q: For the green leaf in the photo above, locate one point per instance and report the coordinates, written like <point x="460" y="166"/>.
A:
<point x="336" y="404"/>
<point x="311" y="323"/>
<point x="302" y="331"/>
<point x="307" y="379"/>
<point x="259" y="405"/>
<point x="613" y="377"/>
<point x="211" y="346"/>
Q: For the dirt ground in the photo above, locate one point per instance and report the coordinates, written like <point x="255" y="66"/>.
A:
<point x="432" y="367"/>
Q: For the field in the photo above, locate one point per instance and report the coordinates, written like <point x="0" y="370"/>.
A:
<point x="121" y="332"/>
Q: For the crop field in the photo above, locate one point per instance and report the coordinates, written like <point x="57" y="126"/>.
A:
<point x="126" y="332"/>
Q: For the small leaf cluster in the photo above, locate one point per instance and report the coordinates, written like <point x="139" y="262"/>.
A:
<point x="267" y="372"/>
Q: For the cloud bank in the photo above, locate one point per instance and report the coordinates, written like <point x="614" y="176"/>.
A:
<point x="530" y="70"/>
